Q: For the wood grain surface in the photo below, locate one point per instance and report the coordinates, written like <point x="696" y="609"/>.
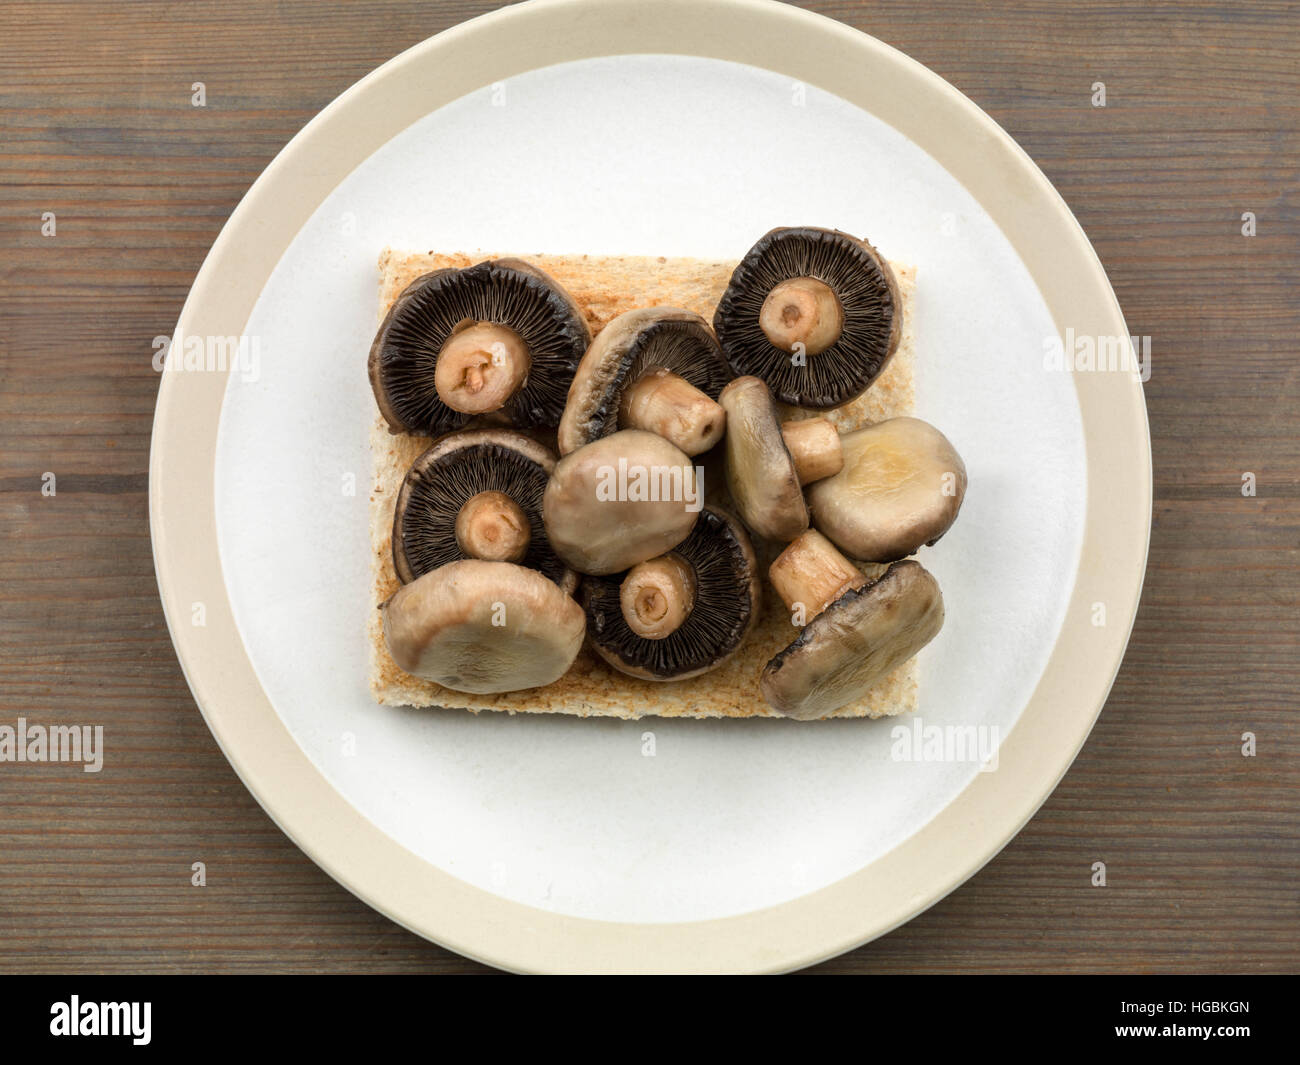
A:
<point x="1202" y="845"/>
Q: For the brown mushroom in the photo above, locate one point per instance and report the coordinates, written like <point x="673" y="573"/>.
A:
<point x="476" y="494"/>
<point x="498" y="336"/>
<point x="901" y="487"/>
<point x="768" y="461"/>
<point x="620" y="500"/>
<point x="483" y="627"/>
<point x="814" y="312"/>
<point x="860" y="630"/>
<point x="657" y="369"/>
<point x="683" y="613"/>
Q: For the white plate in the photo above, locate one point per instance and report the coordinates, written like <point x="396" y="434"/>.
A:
<point x="570" y="819"/>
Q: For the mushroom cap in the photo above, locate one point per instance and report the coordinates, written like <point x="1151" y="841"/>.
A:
<point x="510" y="292"/>
<point x="451" y="472"/>
<point x="855" y="642"/>
<point x="620" y="500"/>
<point x="867" y="291"/>
<point x="484" y="627"/>
<point x="726" y="608"/>
<point x="761" y="476"/>
<point x="634" y="342"/>
<point x="901" y="486"/>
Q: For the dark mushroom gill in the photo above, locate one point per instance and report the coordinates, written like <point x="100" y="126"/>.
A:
<point x="435" y="492"/>
<point x="684" y="348"/>
<point x="431" y="308"/>
<point x="845" y="369"/>
<point x="715" y="627"/>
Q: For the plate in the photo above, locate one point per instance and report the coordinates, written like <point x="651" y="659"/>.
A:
<point x="560" y="844"/>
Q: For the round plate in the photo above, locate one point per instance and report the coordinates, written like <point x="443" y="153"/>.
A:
<point x="679" y="128"/>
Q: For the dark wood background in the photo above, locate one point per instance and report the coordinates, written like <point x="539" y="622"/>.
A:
<point x="1202" y="124"/>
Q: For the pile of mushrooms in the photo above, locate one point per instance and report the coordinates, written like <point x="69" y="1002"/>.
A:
<point x="560" y="503"/>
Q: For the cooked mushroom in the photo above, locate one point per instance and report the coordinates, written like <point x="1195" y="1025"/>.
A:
<point x="476" y="494"/>
<point x="768" y="461"/>
<point x="620" y="500"/>
<point x="814" y="312"/>
<point x="658" y="369"/>
<point x="501" y="335"/>
<point x="859" y="630"/>
<point x="482" y="627"/>
<point x="683" y="613"/>
<point x="901" y="486"/>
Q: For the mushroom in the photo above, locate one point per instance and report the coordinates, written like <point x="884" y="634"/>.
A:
<point x="658" y="369"/>
<point x="680" y="614"/>
<point x="814" y="312"/>
<point x="768" y="461"/>
<point x="483" y="627"/>
<point x="859" y="630"/>
<point x="501" y="335"/>
<point x="476" y="494"/>
<point x="620" y="500"/>
<point x="901" y="486"/>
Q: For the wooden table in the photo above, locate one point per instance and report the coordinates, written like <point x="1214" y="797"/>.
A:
<point x="1202" y="845"/>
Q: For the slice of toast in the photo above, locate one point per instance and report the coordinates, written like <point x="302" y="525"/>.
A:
<point x="603" y="287"/>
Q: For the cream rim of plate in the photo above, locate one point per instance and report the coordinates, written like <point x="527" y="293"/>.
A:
<point x="1079" y="673"/>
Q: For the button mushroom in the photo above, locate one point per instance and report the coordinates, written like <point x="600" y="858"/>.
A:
<point x="501" y="335"/>
<point x="767" y="461"/>
<point x="814" y="312"/>
<point x="859" y="630"/>
<point x="680" y="614"/>
<point x="476" y="494"/>
<point x="658" y="369"/>
<point x="483" y="627"/>
<point x="901" y="486"/>
<point x="620" y="500"/>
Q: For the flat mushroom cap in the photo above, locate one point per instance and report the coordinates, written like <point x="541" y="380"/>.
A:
<point x="726" y="607"/>
<point x="854" y="643"/>
<point x="620" y="500"/>
<point x="509" y="292"/>
<point x="676" y="340"/>
<point x="452" y="471"/>
<point x="761" y="475"/>
<point x="867" y="292"/>
<point x="901" y="487"/>
<point x="484" y="627"/>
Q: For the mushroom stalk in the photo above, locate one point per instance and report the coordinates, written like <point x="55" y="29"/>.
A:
<point x="662" y="402"/>
<point x="480" y="367"/>
<point x="812" y="573"/>
<point x="657" y="596"/>
<point x="803" y="311"/>
<point x="814" y="444"/>
<point x="493" y="527"/>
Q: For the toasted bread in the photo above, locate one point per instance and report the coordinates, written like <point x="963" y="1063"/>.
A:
<point x="604" y="287"/>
